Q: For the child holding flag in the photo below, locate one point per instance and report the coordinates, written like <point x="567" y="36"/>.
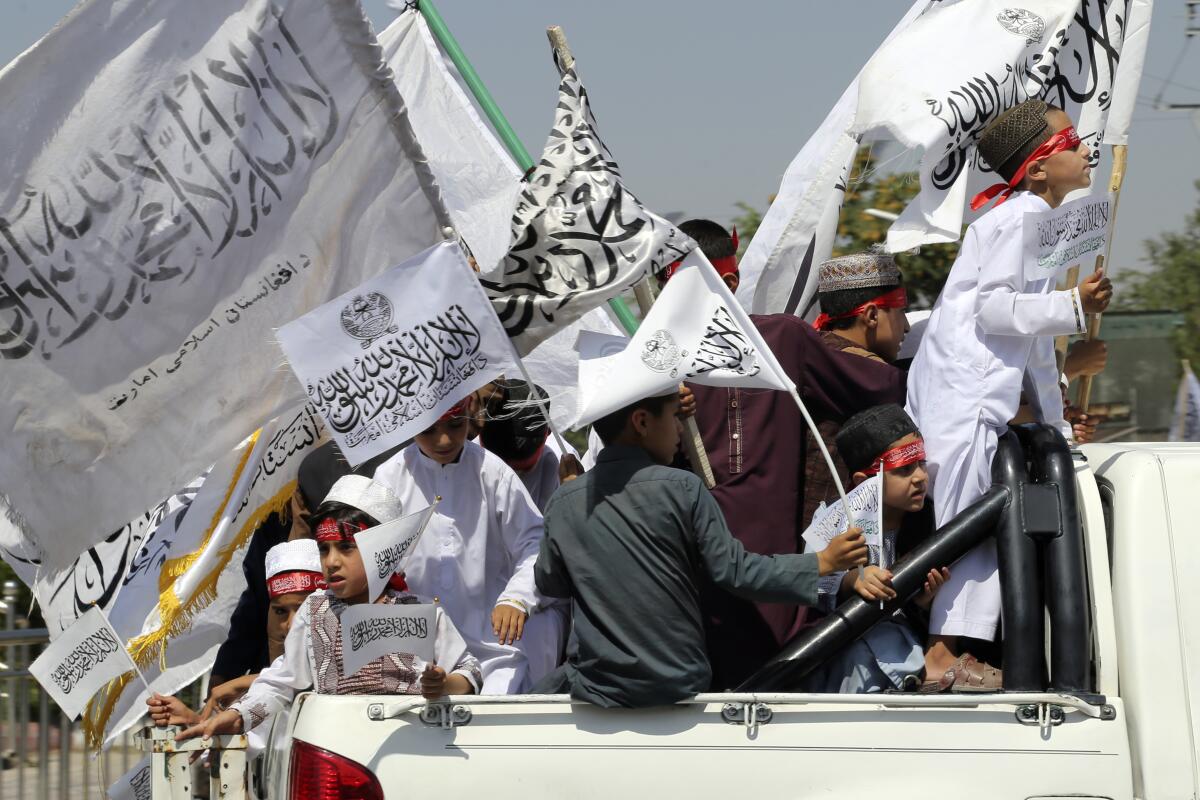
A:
<point x="477" y="554"/>
<point x="991" y="335"/>
<point x="313" y="650"/>
<point x="890" y="656"/>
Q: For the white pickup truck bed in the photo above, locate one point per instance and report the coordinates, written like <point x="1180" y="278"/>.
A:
<point x="1135" y="738"/>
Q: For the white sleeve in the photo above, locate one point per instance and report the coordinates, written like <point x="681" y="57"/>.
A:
<point x="451" y="645"/>
<point x="1002" y="306"/>
<point x="1042" y="386"/>
<point x="521" y="526"/>
<point x="276" y="685"/>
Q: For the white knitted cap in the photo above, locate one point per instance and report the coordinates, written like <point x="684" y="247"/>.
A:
<point x="367" y="496"/>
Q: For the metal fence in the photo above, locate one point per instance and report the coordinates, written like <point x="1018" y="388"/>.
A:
<point x="42" y="752"/>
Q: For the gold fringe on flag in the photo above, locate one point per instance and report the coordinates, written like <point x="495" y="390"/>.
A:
<point x="176" y="616"/>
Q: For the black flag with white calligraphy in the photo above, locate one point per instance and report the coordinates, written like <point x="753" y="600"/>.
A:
<point x="579" y="236"/>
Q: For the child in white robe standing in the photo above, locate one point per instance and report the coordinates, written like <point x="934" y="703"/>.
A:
<point x="477" y="554"/>
<point x="990" y="337"/>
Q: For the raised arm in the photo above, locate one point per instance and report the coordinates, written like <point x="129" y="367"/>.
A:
<point x="1002" y="306"/>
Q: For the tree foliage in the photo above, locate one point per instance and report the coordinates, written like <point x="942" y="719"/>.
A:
<point x="1172" y="283"/>
<point x="924" y="272"/>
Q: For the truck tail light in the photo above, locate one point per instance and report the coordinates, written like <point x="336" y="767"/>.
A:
<point x="318" y="774"/>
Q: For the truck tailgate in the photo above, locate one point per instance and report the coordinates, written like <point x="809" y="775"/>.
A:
<point x="801" y="745"/>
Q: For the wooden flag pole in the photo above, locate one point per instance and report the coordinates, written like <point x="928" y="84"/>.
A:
<point x="693" y="445"/>
<point x="491" y="110"/>
<point x="1120" y="159"/>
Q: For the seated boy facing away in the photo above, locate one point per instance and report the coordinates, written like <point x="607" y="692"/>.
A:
<point x="631" y="542"/>
<point x="890" y="656"/>
<point x="312" y="654"/>
<point x="990" y="335"/>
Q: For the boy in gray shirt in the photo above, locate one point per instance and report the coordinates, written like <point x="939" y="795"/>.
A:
<point x="631" y="542"/>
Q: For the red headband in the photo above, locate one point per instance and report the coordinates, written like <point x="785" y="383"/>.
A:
<point x="898" y="457"/>
<point x="724" y="266"/>
<point x="1066" y="139"/>
<point x="296" y="581"/>
<point x="330" y="530"/>
<point x="459" y="409"/>
<point x="896" y="298"/>
<point x="529" y="462"/>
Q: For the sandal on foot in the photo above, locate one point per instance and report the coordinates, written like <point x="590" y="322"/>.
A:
<point x="966" y="674"/>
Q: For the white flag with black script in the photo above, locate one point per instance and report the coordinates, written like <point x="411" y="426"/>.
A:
<point x="579" y="236"/>
<point x="201" y="173"/>
<point x="938" y="83"/>
<point x="134" y="784"/>
<point x="374" y="630"/>
<point x="695" y="331"/>
<point x="383" y="361"/>
<point x="386" y="548"/>
<point x="79" y="662"/>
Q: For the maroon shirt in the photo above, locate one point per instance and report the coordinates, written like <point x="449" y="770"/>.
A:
<point x="757" y="447"/>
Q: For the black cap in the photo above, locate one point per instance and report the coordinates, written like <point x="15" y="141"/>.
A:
<point x="517" y="428"/>
<point x="868" y="434"/>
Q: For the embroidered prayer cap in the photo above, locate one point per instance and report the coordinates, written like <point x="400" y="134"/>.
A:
<point x="368" y="496"/>
<point x="867" y="434"/>
<point x="517" y="430"/>
<point x="857" y="271"/>
<point x="1007" y="134"/>
<point x="293" y="566"/>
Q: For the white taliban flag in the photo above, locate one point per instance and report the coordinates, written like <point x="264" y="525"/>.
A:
<point x="134" y="784"/>
<point x="201" y="174"/>
<point x="1185" y="425"/>
<point x="695" y="331"/>
<point x="866" y="509"/>
<point x="77" y="664"/>
<point x="938" y="83"/>
<point x="178" y="589"/>
<point x="374" y="630"/>
<point x="579" y="236"/>
<point x="386" y="548"/>
<point x="779" y="268"/>
<point x="383" y="361"/>
<point x="478" y="179"/>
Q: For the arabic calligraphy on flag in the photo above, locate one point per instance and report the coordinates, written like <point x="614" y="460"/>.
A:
<point x="579" y="235"/>
<point x="199" y="176"/>
<point x="382" y="362"/>
<point x="695" y="331"/>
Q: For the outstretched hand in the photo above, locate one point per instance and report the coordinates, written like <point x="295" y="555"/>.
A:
<point x="166" y="711"/>
<point x="933" y="582"/>
<point x="844" y="551"/>
<point x="508" y="623"/>
<point x="227" y="722"/>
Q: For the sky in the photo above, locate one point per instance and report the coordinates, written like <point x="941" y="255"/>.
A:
<point x="704" y="104"/>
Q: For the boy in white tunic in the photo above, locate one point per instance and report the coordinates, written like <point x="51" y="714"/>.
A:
<point x="991" y="335"/>
<point x="478" y="552"/>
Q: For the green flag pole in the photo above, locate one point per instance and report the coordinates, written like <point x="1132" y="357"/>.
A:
<point x="508" y="137"/>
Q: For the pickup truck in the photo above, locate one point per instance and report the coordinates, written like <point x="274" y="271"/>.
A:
<point x="1117" y="716"/>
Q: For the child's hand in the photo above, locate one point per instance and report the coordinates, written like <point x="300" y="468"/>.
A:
<point x="933" y="582"/>
<point x="508" y="623"/>
<point x="1095" y="292"/>
<point x="844" y="551"/>
<point x="433" y="682"/>
<point x="687" y="401"/>
<point x="166" y="711"/>
<point x="876" y="584"/>
<point x="1083" y="426"/>
<point x="228" y="721"/>
<point x="1086" y="357"/>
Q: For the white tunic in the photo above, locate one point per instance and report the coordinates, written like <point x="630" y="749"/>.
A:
<point x="991" y="335"/>
<point x="477" y="552"/>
